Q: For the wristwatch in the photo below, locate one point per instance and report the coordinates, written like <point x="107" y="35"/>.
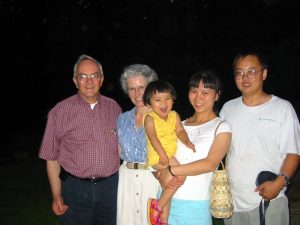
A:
<point x="286" y="178"/>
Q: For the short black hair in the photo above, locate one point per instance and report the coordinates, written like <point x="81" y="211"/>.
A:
<point x="244" y="53"/>
<point x="158" y="86"/>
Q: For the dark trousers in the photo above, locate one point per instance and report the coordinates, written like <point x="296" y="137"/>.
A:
<point x="90" y="203"/>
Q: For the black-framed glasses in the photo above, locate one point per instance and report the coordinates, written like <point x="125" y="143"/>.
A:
<point x="250" y="73"/>
<point x="83" y="77"/>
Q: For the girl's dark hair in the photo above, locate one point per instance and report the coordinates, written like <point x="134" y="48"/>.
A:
<point x="158" y="86"/>
<point x="210" y="80"/>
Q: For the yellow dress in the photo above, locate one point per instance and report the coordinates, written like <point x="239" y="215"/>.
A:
<point x="166" y="133"/>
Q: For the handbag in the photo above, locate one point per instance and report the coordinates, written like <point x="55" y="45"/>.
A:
<point x="221" y="204"/>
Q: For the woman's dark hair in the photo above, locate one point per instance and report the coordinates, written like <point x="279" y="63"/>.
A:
<point x="158" y="86"/>
<point x="210" y="80"/>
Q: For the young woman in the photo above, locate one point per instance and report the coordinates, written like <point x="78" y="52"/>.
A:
<point x="190" y="204"/>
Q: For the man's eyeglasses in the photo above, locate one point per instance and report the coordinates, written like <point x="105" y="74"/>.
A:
<point x="250" y="73"/>
<point x="83" y="77"/>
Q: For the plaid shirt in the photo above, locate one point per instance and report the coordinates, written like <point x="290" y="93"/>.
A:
<point x="132" y="140"/>
<point x="81" y="139"/>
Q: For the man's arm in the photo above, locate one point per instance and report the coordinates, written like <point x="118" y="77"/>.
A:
<point x="53" y="170"/>
<point x="270" y="189"/>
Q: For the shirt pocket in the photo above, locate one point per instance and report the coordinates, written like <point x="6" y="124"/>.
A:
<point x="112" y="135"/>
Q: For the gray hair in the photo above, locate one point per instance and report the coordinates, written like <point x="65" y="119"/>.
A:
<point x="136" y="70"/>
<point x="86" y="57"/>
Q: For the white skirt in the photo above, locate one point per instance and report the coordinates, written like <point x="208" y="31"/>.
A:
<point x="134" y="189"/>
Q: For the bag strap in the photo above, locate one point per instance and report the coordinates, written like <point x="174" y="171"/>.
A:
<point x="263" y="205"/>
<point x="223" y="167"/>
<point x="215" y="134"/>
<point x="217" y="128"/>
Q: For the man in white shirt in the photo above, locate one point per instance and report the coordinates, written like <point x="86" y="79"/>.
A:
<point x="265" y="137"/>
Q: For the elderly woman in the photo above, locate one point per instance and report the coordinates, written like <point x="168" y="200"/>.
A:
<point x="136" y="182"/>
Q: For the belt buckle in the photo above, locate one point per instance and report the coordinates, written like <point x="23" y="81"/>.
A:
<point x="135" y="166"/>
<point x="93" y="179"/>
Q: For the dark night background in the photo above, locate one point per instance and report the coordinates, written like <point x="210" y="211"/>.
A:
<point x="42" y="39"/>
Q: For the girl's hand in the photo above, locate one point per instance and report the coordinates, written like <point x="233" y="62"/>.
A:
<point x="191" y="145"/>
<point x="164" y="160"/>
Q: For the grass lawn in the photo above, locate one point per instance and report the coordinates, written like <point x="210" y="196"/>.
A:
<point x="26" y="197"/>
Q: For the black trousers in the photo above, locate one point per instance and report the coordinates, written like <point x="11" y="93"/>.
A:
<point x="90" y="203"/>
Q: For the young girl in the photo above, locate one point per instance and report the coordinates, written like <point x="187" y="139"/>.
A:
<point x="163" y="126"/>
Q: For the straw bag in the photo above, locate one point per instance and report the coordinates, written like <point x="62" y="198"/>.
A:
<point x="221" y="205"/>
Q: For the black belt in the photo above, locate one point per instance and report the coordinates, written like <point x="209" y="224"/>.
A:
<point x="65" y="174"/>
